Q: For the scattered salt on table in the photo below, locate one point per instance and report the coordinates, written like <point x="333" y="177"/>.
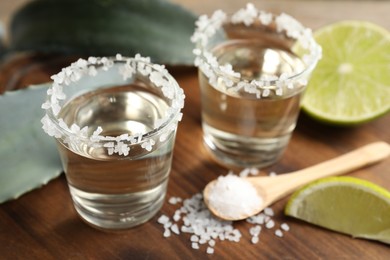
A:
<point x="210" y="250"/>
<point x="248" y="171"/>
<point x="196" y="220"/>
<point x="167" y="233"/>
<point x="279" y="233"/>
<point x="255" y="231"/>
<point x="176" y="217"/>
<point x="194" y="238"/>
<point x="257" y="219"/>
<point x="175" y="229"/>
<point x="285" y="227"/>
<point x="255" y="239"/>
<point x="268" y="211"/>
<point x="270" y="224"/>
<point x="195" y="245"/>
<point x="174" y="200"/>
<point x="163" y="219"/>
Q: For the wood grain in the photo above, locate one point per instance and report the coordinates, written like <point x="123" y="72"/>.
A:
<point x="42" y="224"/>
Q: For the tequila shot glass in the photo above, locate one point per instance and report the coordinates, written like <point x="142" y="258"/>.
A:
<point x="253" y="69"/>
<point x="114" y="120"/>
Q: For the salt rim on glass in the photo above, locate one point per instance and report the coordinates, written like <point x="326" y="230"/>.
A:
<point x="73" y="135"/>
<point x="207" y="27"/>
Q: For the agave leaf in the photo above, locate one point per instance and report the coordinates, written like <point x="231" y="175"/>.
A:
<point x="1" y="39"/>
<point x="28" y="157"/>
<point x="154" y="28"/>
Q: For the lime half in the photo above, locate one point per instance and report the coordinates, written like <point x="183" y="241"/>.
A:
<point x="351" y="83"/>
<point x="344" y="204"/>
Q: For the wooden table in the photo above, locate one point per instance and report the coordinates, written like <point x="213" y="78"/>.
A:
<point x="42" y="224"/>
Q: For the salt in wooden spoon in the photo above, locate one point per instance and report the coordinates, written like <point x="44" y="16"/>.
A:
<point x="271" y="189"/>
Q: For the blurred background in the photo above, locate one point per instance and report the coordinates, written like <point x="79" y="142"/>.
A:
<point x="374" y="10"/>
<point x="312" y="13"/>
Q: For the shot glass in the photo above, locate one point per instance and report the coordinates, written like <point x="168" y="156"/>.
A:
<point x="115" y="121"/>
<point x="253" y="69"/>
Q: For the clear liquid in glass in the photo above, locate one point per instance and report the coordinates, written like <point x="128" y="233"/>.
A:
<point x="240" y="129"/>
<point x="113" y="191"/>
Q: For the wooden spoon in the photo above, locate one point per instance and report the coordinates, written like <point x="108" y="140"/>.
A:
<point x="271" y="189"/>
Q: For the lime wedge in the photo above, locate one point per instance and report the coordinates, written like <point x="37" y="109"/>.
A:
<point x="351" y="83"/>
<point x="344" y="204"/>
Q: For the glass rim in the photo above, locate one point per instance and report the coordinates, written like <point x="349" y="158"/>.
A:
<point x="207" y="27"/>
<point x="74" y="134"/>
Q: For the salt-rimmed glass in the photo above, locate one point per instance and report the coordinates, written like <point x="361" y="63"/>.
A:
<point x="253" y="69"/>
<point x="115" y="123"/>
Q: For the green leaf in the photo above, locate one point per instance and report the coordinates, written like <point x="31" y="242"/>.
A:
<point x="28" y="157"/>
<point x="154" y="28"/>
<point x="2" y="48"/>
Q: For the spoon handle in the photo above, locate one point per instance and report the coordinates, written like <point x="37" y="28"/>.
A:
<point x="350" y="161"/>
<point x="286" y="183"/>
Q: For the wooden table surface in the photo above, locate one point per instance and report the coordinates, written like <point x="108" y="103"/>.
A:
<point x="42" y="224"/>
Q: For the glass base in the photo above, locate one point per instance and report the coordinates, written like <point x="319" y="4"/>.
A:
<point x="244" y="152"/>
<point x="113" y="212"/>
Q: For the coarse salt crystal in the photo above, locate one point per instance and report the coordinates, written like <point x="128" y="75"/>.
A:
<point x="279" y="91"/>
<point x="210" y="250"/>
<point x="163" y="219"/>
<point x="176" y="217"/>
<point x="186" y="229"/>
<point x="257" y="219"/>
<point x="195" y="245"/>
<point x="175" y="229"/>
<point x="167" y="232"/>
<point x="255" y="239"/>
<point x="168" y="224"/>
<point x="202" y="241"/>
<point x="194" y="238"/>
<point x="255" y="231"/>
<point x="279" y="233"/>
<point x="285" y="227"/>
<point x="248" y="171"/>
<point x="174" y="200"/>
<point x="270" y="224"/>
<point x="268" y="211"/>
<point x="265" y="18"/>
<point x="266" y="92"/>
<point x="234" y="197"/>
<point x="244" y="173"/>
